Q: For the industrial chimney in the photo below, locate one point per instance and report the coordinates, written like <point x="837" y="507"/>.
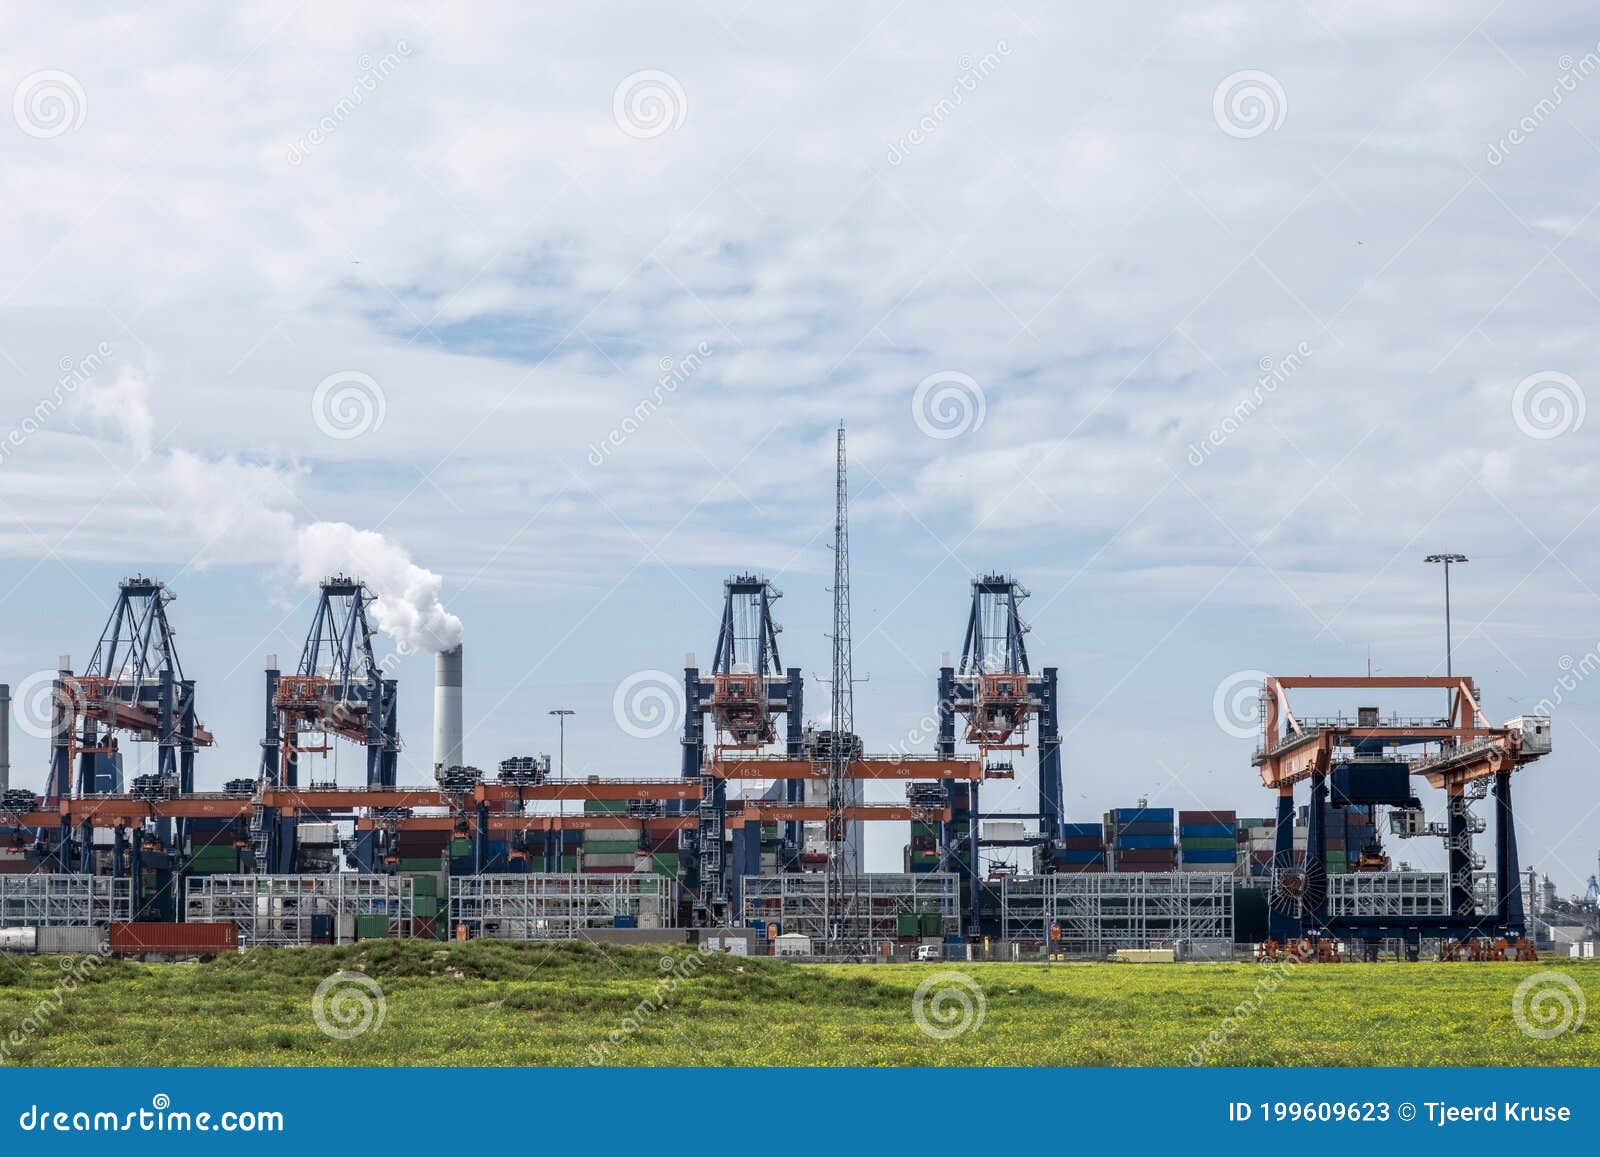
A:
<point x="5" y="737"/>
<point x="447" y="709"/>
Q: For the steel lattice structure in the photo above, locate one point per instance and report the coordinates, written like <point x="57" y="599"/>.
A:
<point x="546" y="906"/>
<point x="801" y="903"/>
<point x="57" y="898"/>
<point x="1093" y="913"/>
<point x="281" y="909"/>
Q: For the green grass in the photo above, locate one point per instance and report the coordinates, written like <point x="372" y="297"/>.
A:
<point x="503" y="1004"/>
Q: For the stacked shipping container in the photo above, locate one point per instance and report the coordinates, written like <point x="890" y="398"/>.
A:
<point x="1082" y="848"/>
<point x="1140" y="839"/>
<point x="1209" y="841"/>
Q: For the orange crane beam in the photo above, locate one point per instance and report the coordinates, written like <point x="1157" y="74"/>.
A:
<point x="504" y="823"/>
<point x="595" y="787"/>
<point x="776" y="812"/>
<point x="878" y="767"/>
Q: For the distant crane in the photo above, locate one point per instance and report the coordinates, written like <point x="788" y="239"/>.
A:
<point x="996" y="692"/>
<point x="134" y="684"/>
<point x="338" y="690"/>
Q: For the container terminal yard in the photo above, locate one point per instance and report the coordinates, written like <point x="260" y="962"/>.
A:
<point x="755" y="842"/>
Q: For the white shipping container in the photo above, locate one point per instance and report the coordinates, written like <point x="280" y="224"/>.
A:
<point x="86" y="938"/>
<point x="320" y="835"/>
<point x="1010" y="830"/>
<point x="608" y="860"/>
<point x="792" y="944"/>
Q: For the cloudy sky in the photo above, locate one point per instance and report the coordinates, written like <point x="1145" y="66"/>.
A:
<point x="1208" y="321"/>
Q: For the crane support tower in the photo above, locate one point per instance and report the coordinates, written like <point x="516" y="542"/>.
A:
<point x="134" y="687"/>
<point x="996" y="693"/>
<point x="739" y="704"/>
<point x="1371" y="760"/>
<point x="337" y="691"/>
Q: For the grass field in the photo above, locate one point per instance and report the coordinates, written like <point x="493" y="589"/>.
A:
<point x="501" y="1004"/>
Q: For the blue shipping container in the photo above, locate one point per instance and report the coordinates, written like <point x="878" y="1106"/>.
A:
<point x="1206" y="856"/>
<point x="1143" y="843"/>
<point x="1149" y="814"/>
<point x="1206" y="830"/>
<point x="1144" y="829"/>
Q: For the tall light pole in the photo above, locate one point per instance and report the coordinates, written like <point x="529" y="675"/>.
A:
<point x="561" y="714"/>
<point x="1447" y="559"/>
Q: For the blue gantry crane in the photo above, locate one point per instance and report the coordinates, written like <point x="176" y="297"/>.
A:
<point x="338" y="691"/>
<point x="133" y="687"/>
<point x="748" y="688"/>
<point x="995" y="690"/>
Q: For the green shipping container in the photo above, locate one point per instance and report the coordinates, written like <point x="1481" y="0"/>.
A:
<point x="426" y="907"/>
<point x="930" y="923"/>
<point x="605" y="807"/>
<point x="372" y="927"/>
<point x="460" y="847"/>
<point x="569" y="863"/>
<point x="1210" y="843"/>
<point x="665" y="865"/>
<point x="420" y="863"/>
<point x="610" y="847"/>
<point x="907" y="925"/>
<point x="425" y="885"/>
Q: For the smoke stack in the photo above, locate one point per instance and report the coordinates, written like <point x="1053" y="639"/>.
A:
<point x="447" y="708"/>
<point x="5" y="737"/>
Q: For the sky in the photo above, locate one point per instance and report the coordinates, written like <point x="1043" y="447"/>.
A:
<point x="1207" y="321"/>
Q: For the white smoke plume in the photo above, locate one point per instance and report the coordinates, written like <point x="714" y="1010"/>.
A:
<point x="244" y="512"/>
<point x="407" y="606"/>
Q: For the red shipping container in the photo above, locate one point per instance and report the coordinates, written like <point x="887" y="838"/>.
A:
<point x="173" y="938"/>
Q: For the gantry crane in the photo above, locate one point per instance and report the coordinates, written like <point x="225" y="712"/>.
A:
<point x="1370" y="760"/>
<point x="338" y="691"/>
<point x="747" y="690"/>
<point x="997" y="694"/>
<point x="134" y="687"/>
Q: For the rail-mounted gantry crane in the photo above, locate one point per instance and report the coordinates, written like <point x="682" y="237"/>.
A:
<point x="134" y="687"/>
<point x="1370" y="760"/>
<point x="998" y="696"/>
<point x="748" y="688"/>
<point x="337" y="691"/>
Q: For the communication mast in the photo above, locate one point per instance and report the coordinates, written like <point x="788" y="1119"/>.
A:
<point x="844" y="863"/>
